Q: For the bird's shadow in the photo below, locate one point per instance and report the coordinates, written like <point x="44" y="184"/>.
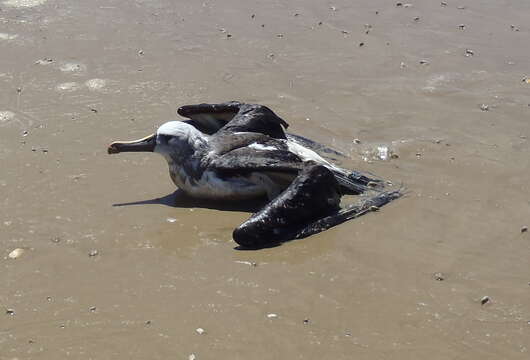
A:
<point x="179" y="199"/>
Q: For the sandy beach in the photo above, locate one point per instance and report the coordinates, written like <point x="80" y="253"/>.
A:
<point x="113" y="265"/>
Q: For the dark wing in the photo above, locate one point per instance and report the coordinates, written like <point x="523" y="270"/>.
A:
<point x="246" y="160"/>
<point x="209" y="118"/>
<point x="309" y="205"/>
<point x="234" y="117"/>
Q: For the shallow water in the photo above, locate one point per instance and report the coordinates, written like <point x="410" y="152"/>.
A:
<point x="76" y="75"/>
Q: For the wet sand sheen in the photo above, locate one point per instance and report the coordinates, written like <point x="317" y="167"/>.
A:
<point x="138" y="280"/>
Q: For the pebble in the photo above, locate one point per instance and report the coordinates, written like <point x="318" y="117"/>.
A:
<point x="485" y="300"/>
<point x="272" y="316"/>
<point x="306" y="321"/>
<point x="356" y="141"/>
<point x="15" y="254"/>
<point x="10" y="312"/>
<point x="438" y="276"/>
<point x="92" y="253"/>
<point x="469" y="52"/>
<point x="462" y="26"/>
<point x="92" y="309"/>
<point x="443" y="3"/>
<point x="484" y="107"/>
<point x="424" y="62"/>
<point x="524" y="229"/>
<point x="171" y="220"/>
<point x="200" y="331"/>
<point x="192" y="357"/>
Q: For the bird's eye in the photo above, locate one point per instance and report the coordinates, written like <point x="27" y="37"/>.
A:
<point x="163" y="139"/>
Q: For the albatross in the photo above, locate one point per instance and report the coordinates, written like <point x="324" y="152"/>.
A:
<point x="237" y="151"/>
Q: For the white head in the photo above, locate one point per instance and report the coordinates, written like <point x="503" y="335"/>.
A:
<point x="178" y="140"/>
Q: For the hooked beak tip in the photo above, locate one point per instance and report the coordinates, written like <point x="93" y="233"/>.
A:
<point x="111" y="149"/>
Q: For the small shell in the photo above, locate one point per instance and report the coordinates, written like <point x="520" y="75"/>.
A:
<point x="272" y="316"/>
<point x="200" y="331"/>
<point x="15" y="254"/>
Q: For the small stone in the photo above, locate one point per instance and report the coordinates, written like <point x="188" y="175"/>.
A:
<point x="462" y="26"/>
<point x="10" y="312"/>
<point x="272" y="316"/>
<point x="417" y="18"/>
<point x="469" y="52"/>
<point x="333" y="8"/>
<point x="19" y="90"/>
<point x="461" y="7"/>
<point x="228" y="36"/>
<point x="15" y="254"/>
<point x="94" y="110"/>
<point x="92" y="309"/>
<point x="306" y="321"/>
<point x="25" y="133"/>
<point x="140" y="52"/>
<point x="252" y="16"/>
<point x="200" y="331"/>
<point x="524" y="229"/>
<point x="361" y="44"/>
<point x="56" y="239"/>
<point x="356" y="141"/>
<point x="399" y="4"/>
<point x="438" y="276"/>
<point x="394" y="156"/>
<point x="402" y="65"/>
<point x="192" y="357"/>
<point x="279" y="35"/>
<point x="148" y="322"/>
<point x="485" y="300"/>
<point x="345" y="32"/>
<point x="92" y="253"/>
<point x="484" y="107"/>
<point x="443" y="3"/>
<point x="424" y="62"/>
<point x="171" y="220"/>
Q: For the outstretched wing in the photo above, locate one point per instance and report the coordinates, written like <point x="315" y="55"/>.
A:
<point x="209" y="118"/>
<point x="234" y="117"/>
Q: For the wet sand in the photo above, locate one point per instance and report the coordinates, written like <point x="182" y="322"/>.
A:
<point x="76" y="75"/>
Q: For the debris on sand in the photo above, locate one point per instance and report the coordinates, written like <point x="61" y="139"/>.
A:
<point x="272" y="316"/>
<point x="93" y="253"/>
<point x="15" y="254"/>
<point x="10" y="312"/>
<point x="485" y="300"/>
<point x="200" y="331"/>
<point x="524" y="229"/>
<point x="484" y="107"/>
<point x="469" y="52"/>
<point x="44" y="61"/>
<point x="438" y="276"/>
